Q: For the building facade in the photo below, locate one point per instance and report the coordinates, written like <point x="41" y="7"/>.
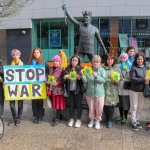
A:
<point x="42" y="24"/>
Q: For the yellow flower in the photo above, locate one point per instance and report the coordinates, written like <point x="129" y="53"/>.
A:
<point x="115" y="76"/>
<point x="125" y="66"/>
<point x="148" y="74"/>
<point x="88" y="71"/>
<point x="72" y="75"/>
<point x="51" y="79"/>
<point x="0" y="77"/>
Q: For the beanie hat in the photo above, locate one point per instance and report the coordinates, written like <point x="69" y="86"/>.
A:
<point x="57" y="57"/>
<point x="125" y="55"/>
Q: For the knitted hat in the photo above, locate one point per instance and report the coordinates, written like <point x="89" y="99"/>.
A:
<point x="57" y="57"/>
<point x="125" y="55"/>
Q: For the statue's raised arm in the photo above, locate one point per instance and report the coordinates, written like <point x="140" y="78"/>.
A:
<point x="69" y="16"/>
<point x="97" y="35"/>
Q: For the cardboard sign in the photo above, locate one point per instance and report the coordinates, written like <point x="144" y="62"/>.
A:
<point x="24" y="82"/>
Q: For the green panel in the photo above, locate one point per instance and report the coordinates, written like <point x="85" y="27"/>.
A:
<point x="71" y="39"/>
<point x="34" y="34"/>
<point x="45" y="53"/>
<point x="48" y="54"/>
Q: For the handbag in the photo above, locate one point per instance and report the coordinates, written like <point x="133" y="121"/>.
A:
<point x="146" y="91"/>
<point x="126" y="85"/>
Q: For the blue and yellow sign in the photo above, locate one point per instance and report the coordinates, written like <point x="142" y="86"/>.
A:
<point x="24" y="82"/>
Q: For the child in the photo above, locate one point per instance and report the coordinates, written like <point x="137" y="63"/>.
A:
<point x="74" y="90"/>
<point x="1" y="89"/>
<point x="37" y="104"/>
<point x="95" y="92"/>
<point x="57" y="94"/>
<point x="16" y="116"/>
<point x="111" y="89"/>
<point x="124" y="101"/>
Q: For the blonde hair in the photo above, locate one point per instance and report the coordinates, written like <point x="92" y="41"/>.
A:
<point x="97" y="57"/>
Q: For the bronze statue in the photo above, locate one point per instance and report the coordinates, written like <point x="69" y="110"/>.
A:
<point x="87" y="33"/>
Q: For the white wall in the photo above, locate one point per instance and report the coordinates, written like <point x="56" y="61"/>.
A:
<point x="52" y="9"/>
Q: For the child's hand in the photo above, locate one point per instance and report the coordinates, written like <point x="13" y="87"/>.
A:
<point x="65" y="76"/>
<point x="95" y="74"/>
<point x="47" y="82"/>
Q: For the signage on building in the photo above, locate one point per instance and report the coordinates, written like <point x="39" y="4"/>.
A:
<point x="24" y="82"/>
<point x="55" y="38"/>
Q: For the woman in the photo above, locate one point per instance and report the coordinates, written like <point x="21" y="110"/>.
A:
<point x="16" y="114"/>
<point x="95" y="92"/>
<point x="57" y="93"/>
<point x="74" y="90"/>
<point x="137" y="77"/>
<point x="131" y="52"/>
<point x="37" y="105"/>
<point x="111" y="89"/>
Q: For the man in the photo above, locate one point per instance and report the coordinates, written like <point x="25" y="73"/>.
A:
<point x="87" y="34"/>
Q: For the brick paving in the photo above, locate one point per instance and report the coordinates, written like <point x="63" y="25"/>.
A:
<point x="29" y="136"/>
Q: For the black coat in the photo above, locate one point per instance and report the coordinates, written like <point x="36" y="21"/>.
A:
<point x="79" y="85"/>
<point x="137" y="76"/>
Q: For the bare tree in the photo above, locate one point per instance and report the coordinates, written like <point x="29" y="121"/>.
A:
<point x="11" y="7"/>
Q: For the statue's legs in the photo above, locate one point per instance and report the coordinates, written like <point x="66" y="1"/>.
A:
<point x="81" y="55"/>
<point x="90" y="56"/>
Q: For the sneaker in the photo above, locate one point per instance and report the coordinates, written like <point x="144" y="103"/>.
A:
<point x="134" y="127"/>
<point x="11" y="123"/>
<point x="35" y="120"/>
<point x="119" y="120"/>
<point x="124" y="121"/>
<point x="91" y="124"/>
<point x="109" y="125"/>
<point x="148" y="127"/>
<point x="71" y="122"/>
<point x="78" y="123"/>
<point x="39" y="121"/>
<point x="17" y="122"/>
<point x="55" y="122"/>
<point x="139" y="125"/>
<point x="97" y="125"/>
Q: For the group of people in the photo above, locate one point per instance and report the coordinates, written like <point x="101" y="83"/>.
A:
<point x="102" y="93"/>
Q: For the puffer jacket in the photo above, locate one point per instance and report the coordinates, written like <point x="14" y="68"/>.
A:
<point x="95" y="86"/>
<point x="137" y="77"/>
<point x="111" y="88"/>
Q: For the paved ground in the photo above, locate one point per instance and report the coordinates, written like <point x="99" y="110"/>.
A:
<point x="29" y="136"/>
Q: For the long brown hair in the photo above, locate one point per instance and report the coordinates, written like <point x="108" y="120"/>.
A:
<point x="32" y="55"/>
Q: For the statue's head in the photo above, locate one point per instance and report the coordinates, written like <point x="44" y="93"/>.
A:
<point x="87" y="17"/>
